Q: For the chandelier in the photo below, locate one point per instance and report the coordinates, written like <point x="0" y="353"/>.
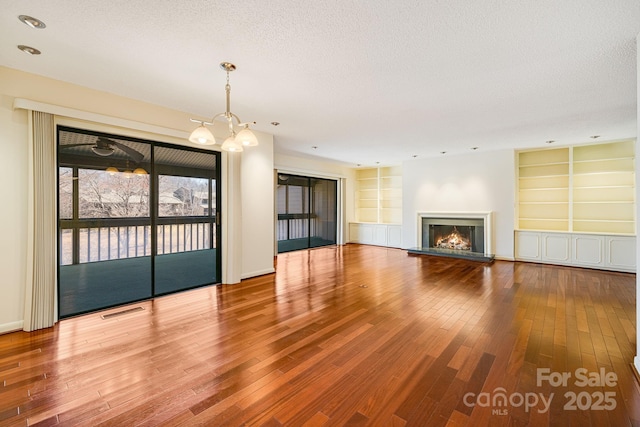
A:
<point x="235" y="141"/>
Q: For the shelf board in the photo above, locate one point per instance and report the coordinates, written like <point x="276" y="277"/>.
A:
<point x="544" y="203"/>
<point x="533" y="165"/>
<point x="544" y="176"/>
<point x="604" y="160"/>
<point x="621" y="221"/>
<point x="603" y="202"/>
<point x="603" y="173"/>
<point x="545" y="188"/>
<point x="595" y="187"/>
<point x="544" y="219"/>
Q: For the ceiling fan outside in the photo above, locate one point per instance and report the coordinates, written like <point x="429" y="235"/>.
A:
<point x="106" y="147"/>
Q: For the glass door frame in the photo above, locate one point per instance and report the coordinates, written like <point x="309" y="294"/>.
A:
<point x="215" y="230"/>
<point x="308" y="209"/>
<point x="215" y="233"/>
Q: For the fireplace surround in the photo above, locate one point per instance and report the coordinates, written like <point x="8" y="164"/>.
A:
<point x="455" y="234"/>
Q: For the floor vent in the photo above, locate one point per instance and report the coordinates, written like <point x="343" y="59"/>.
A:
<point x="120" y="313"/>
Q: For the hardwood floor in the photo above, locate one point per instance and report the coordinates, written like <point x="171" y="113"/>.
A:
<point x="353" y="335"/>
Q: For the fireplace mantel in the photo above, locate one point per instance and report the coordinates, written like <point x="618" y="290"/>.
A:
<point x="482" y="217"/>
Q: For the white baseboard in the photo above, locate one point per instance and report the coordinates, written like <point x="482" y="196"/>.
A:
<point x="11" y="326"/>
<point x="636" y="367"/>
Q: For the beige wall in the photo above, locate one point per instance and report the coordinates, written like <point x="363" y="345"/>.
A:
<point x="110" y="113"/>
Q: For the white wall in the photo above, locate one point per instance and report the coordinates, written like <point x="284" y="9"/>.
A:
<point x="636" y="360"/>
<point x="480" y="181"/>
<point x="13" y="226"/>
<point x="258" y="200"/>
<point x="256" y="166"/>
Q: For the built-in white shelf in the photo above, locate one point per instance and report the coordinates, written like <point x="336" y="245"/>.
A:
<point x="585" y="188"/>
<point x="576" y="206"/>
<point x="379" y="195"/>
<point x="378" y="207"/>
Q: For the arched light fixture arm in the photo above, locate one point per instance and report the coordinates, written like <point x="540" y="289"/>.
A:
<point x="202" y="122"/>
<point x="236" y="140"/>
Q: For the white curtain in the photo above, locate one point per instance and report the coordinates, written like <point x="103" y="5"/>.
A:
<point x="40" y="296"/>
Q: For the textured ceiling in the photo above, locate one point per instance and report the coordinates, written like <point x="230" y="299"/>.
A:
<point x="363" y="81"/>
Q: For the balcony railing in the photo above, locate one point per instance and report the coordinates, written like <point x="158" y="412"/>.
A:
<point x="295" y="226"/>
<point x="174" y="238"/>
<point x="125" y="239"/>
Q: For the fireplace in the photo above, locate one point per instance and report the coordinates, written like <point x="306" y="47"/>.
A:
<point x="453" y="234"/>
<point x="459" y="234"/>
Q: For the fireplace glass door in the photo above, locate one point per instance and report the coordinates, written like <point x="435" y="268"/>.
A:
<point x="453" y="234"/>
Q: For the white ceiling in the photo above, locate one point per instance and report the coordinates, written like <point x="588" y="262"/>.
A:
<point x="365" y="81"/>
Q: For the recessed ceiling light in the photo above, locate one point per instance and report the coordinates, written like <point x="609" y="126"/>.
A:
<point x="32" y="22"/>
<point x="275" y="123"/>
<point x="28" y="49"/>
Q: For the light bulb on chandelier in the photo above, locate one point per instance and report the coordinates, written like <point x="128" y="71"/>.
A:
<point x="235" y="142"/>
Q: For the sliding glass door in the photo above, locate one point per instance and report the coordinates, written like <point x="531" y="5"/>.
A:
<point x="185" y="219"/>
<point x="307" y="212"/>
<point x="104" y="223"/>
<point x="136" y="219"/>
